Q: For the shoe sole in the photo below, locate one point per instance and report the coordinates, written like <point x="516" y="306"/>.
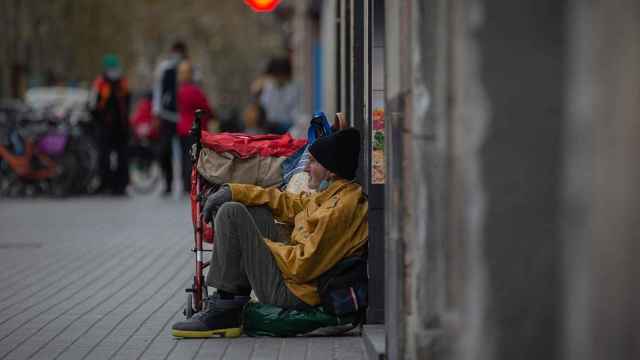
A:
<point x="227" y="333"/>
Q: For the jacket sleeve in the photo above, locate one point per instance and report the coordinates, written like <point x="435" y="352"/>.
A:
<point x="94" y="97"/>
<point x="314" y="251"/>
<point x="285" y="206"/>
<point x="127" y="101"/>
<point x="202" y="102"/>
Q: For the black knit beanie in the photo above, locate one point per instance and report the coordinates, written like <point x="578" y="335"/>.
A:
<point x="338" y="152"/>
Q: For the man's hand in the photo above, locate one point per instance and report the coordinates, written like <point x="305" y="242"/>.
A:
<point x="214" y="201"/>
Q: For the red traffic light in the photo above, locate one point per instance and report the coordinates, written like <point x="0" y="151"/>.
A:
<point x="262" y="5"/>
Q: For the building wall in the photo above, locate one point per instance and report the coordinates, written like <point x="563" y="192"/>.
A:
<point x="396" y="88"/>
<point x="518" y="71"/>
<point x="601" y="199"/>
<point x="511" y="202"/>
<point x="328" y="42"/>
<point x="374" y="112"/>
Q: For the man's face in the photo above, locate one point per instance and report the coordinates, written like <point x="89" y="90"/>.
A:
<point x="316" y="172"/>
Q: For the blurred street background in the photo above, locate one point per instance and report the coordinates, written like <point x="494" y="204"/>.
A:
<point x="62" y="42"/>
<point x="500" y="143"/>
<point x="86" y="82"/>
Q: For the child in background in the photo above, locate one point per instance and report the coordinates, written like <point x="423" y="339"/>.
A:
<point x="254" y="119"/>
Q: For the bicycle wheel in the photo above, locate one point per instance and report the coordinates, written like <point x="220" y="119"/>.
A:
<point x="144" y="171"/>
<point x="85" y="152"/>
<point x="62" y="184"/>
<point x="10" y="184"/>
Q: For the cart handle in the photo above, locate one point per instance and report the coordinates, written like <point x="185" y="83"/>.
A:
<point x="196" y="134"/>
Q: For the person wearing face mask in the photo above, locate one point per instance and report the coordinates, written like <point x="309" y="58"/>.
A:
<point x="165" y="106"/>
<point x="280" y="96"/>
<point x="110" y="109"/>
<point x="252" y="253"/>
<point x="190" y="99"/>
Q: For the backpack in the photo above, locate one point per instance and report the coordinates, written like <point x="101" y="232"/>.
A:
<point x="344" y="288"/>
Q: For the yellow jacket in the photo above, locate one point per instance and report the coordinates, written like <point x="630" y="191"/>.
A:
<point x="328" y="226"/>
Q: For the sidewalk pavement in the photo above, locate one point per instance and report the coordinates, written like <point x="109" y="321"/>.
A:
<point x="104" y="278"/>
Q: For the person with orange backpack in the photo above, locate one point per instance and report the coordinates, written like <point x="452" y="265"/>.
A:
<point x="110" y="110"/>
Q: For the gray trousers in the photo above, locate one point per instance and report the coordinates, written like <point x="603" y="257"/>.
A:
<point x="241" y="261"/>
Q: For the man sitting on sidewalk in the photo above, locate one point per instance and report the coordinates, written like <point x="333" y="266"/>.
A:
<point x="251" y="253"/>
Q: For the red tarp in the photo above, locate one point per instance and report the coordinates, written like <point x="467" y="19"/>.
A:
<point x="245" y="146"/>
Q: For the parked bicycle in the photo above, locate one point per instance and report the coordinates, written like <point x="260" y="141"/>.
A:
<point x="68" y="107"/>
<point x="34" y="159"/>
<point x="46" y="145"/>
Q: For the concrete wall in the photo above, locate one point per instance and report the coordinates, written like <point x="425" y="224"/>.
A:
<point x="601" y="194"/>
<point x="328" y="38"/>
<point x="396" y="62"/>
<point x="512" y="203"/>
<point x="518" y="48"/>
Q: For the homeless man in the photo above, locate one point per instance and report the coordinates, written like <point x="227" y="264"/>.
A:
<point x="251" y="253"/>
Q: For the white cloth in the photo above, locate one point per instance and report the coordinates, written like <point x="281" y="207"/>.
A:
<point x="280" y="103"/>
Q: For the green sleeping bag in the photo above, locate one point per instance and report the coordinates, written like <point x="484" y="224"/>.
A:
<point x="269" y="320"/>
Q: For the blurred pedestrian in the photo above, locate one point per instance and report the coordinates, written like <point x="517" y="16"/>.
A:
<point x="165" y="107"/>
<point x="279" y="95"/>
<point x="110" y="108"/>
<point x="254" y="119"/>
<point x="145" y="126"/>
<point x="190" y="98"/>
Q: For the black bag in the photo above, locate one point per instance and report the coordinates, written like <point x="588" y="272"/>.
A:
<point x="343" y="289"/>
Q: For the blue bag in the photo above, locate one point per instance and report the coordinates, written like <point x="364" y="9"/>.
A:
<point x="318" y="128"/>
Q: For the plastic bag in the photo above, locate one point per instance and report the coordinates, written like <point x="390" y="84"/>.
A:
<point x="222" y="168"/>
<point x="296" y="163"/>
<point x="270" y="320"/>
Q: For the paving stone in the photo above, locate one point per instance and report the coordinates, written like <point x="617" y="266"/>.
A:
<point x="320" y="348"/>
<point x="185" y="349"/>
<point x="61" y="325"/>
<point x="294" y="348"/>
<point x="213" y="349"/>
<point x="348" y="348"/>
<point x="240" y="348"/>
<point x="109" y="282"/>
<point x="266" y="348"/>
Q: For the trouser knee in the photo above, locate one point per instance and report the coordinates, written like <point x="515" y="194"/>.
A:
<point x="232" y="208"/>
<point x="231" y="212"/>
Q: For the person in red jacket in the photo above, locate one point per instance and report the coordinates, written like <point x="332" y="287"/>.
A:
<point x="190" y="98"/>
<point x="144" y="124"/>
